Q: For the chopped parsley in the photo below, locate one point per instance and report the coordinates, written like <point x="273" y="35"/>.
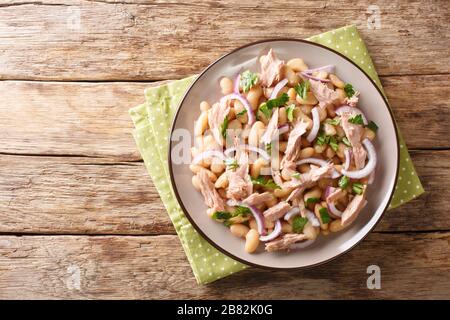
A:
<point x="357" y="119"/>
<point x="333" y="143"/>
<point x="265" y="110"/>
<point x="221" y="215"/>
<point x="231" y="163"/>
<point x="296" y="175"/>
<point x="302" y="89"/>
<point x="266" y="183"/>
<point x="346" y="142"/>
<point x="239" y="114"/>
<point x="290" y="112"/>
<point x="226" y="216"/>
<point x="224" y="127"/>
<point x="372" y="126"/>
<point x="358" y="188"/>
<point x="266" y="107"/>
<point x="298" y="223"/>
<point x="343" y="182"/>
<point x="241" y="211"/>
<point x="324" y="216"/>
<point x="322" y="139"/>
<point x="248" y="80"/>
<point x="311" y="200"/>
<point x="334" y="122"/>
<point x="268" y="148"/>
<point x="330" y="140"/>
<point x="349" y="91"/>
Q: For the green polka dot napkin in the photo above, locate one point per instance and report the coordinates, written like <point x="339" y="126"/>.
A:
<point x="152" y="122"/>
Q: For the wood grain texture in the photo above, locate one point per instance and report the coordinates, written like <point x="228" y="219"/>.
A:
<point x="78" y="195"/>
<point x="48" y="267"/>
<point x="91" y="119"/>
<point x="69" y="195"/>
<point x="155" y="40"/>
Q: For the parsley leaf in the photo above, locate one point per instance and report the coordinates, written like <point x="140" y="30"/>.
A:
<point x="290" y="112"/>
<point x="231" y="163"/>
<point x="296" y="175"/>
<point x="356" y="119"/>
<point x="221" y="215"/>
<point x="311" y="200"/>
<point x="358" y="188"/>
<point x="324" y="215"/>
<point x="298" y="223"/>
<point x="241" y="211"/>
<point x="268" y="148"/>
<point x="224" y="127"/>
<point x="267" y="183"/>
<point x="266" y="107"/>
<point x="302" y="89"/>
<point x="277" y="102"/>
<point x="239" y="114"/>
<point x="334" y="122"/>
<point x="322" y="139"/>
<point x="346" y="142"/>
<point x="349" y="91"/>
<point x="248" y="80"/>
<point x="372" y="126"/>
<point x="343" y="182"/>
<point x="333" y="143"/>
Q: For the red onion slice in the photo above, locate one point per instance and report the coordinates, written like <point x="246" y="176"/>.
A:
<point x="277" y="88"/>
<point x="237" y="83"/>
<point x="319" y="162"/>
<point x="316" y="125"/>
<point x="348" y="158"/>
<point x="334" y="212"/>
<point x="283" y="129"/>
<point x="292" y="213"/>
<point x="306" y="75"/>
<point x="370" y="166"/>
<point x="275" y="233"/>
<point x="312" y="218"/>
<point x="328" y="68"/>
<point x="208" y="154"/>
<point x="329" y="190"/>
<point x="229" y="152"/>
<point x="243" y="100"/>
<point x="259" y="218"/>
<point x="353" y="110"/>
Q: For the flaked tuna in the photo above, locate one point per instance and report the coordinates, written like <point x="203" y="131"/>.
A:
<point x="271" y="69"/>
<point x="354" y="133"/>
<point x="353" y="209"/>
<point x="210" y="194"/>
<point x="277" y="211"/>
<point x="323" y="94"/>
<point x="285" y="242"/>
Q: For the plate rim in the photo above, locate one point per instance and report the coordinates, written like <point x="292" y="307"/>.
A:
<point x="191" y="220"/>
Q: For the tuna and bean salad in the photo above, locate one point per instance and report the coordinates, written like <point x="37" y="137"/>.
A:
<point x="285" y="155"/>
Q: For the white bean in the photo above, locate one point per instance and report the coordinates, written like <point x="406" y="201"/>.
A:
<point x="251" y="241"/>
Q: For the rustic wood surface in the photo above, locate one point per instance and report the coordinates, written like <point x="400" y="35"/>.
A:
<point x="75" y="198"/>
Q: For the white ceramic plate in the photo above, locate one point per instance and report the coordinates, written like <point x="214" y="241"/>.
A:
<point x="372" y="102"/>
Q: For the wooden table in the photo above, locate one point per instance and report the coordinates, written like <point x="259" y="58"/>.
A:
<point x="79" y="215"/>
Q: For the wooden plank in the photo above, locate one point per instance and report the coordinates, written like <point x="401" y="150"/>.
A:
<point x="413" y="266"/>
<point x="91" y="118"/>
<point x="73" y="40"/>
<point x="69" y="195"/>
<point x="78" y="195"/>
